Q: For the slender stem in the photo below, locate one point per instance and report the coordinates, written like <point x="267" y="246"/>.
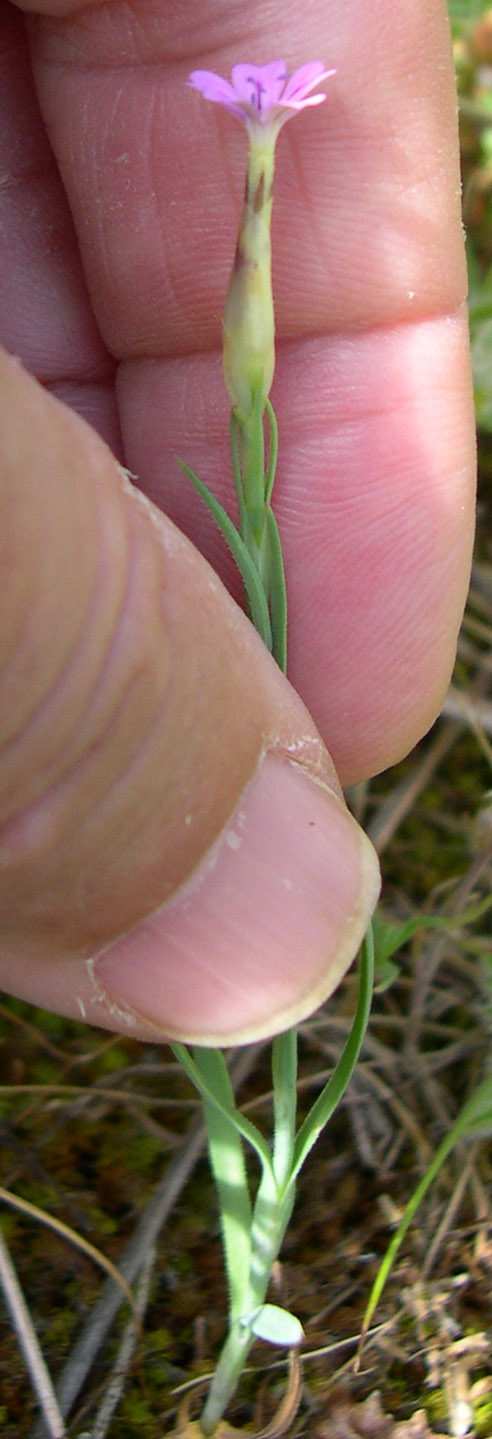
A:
<point x="258" y="526"/>
<point x="236" y="469"/>
<point x="226" y="1375"/>
<point x="271" y="1217"/>
<point x="253" y="467"/>
<point x="272" y="1212"/>
<point x="284" y="1072"/>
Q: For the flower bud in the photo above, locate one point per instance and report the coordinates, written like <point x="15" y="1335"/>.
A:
<point x="248" y="324"/>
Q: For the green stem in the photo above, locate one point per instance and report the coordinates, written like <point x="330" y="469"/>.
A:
<point x="284" y="1072"/>
<point x="258" y="525"/>
<point x="226" y="1376"/>
<point x="252" y="441"/>
<point x="236" y="469"/>
<point x="271" y="1217"/>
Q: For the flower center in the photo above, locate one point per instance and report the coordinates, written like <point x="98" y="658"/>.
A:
<point x="257" y="90"/>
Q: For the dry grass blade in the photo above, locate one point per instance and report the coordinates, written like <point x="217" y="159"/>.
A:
<point x="125" y="1354"/>
<point x="29" y="1343"/>
<point x="287" y="1409"/>
<point x="65" y="1232"/>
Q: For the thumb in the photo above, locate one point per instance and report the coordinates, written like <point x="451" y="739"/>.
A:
<point x="175" y="856"/>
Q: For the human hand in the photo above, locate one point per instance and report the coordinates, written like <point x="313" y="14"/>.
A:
<point x="138" y="704"/>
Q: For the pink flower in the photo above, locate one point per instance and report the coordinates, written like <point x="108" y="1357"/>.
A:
<point x="263" y="95"/>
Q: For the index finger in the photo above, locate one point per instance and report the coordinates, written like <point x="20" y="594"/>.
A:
<point x="155" y="176"/>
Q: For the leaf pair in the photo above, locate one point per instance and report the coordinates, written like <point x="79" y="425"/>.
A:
<point x="256" y="547"/>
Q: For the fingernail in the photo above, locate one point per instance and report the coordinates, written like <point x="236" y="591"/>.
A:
<point x="262" y="931"/>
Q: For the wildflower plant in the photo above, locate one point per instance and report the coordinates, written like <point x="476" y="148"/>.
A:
<point x="263" y="98"/>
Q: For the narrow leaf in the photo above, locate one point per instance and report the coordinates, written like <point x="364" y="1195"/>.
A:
<point x="272" y="450"/>
<point x="229" y="1171"/>
<point x="331" y="1095"/>
<point x="389" y="936"/>
<point x="475" y="1114"/>
<point x="277" y="590"/>
<point x="243" y="1126"/>
<point x="246" y="567"/>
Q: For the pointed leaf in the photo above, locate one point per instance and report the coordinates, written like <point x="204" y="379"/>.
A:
<point x="272" y="450"/>
<point x="277" y="590"/>
<point x="246" y="567"/>
<point x="223" y="1103"/>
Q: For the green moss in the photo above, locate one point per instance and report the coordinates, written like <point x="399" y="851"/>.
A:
<point x="436" y="1407"/>
<point x="113" y="1058"/>
<point x="482" y="1417"/>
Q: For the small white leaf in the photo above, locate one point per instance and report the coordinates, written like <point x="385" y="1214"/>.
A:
<point x="277" y="1326"/>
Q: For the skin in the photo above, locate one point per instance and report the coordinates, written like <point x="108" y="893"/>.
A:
<point x="136" y="701"/>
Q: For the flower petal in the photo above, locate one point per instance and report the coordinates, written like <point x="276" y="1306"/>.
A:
<point x="273" y="77"/>
<point x="303" y="80"/>
<point x="213" y="87"/>
<point x="263" y="95"/>
<point x="259" y="86"/>
<point x="291" y="107"/>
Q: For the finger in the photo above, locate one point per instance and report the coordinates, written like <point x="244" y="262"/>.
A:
<point x="360" y="182"/>
<point x="45" y="313"/>
<point x="375" y="503"/>
<point x="175" y="857"/>
<point x="375" y="490"/>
